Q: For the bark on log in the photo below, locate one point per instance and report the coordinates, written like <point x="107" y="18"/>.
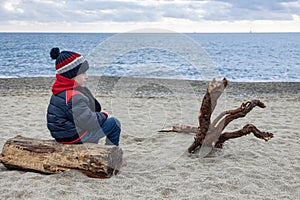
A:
<point x="48" y="156"/>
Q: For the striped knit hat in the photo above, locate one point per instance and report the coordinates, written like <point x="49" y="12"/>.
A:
<point x="68" y="64"/>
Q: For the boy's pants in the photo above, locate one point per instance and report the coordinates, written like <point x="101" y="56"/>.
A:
<point x="111" y="128"/>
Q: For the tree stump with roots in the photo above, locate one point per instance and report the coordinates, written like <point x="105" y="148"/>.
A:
<point x="211" y="132"/>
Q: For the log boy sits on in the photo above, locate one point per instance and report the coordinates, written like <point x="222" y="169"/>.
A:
<point x="74" y="116"/>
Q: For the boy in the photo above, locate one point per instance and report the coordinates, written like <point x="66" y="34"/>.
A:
<point x="74" y="116"/>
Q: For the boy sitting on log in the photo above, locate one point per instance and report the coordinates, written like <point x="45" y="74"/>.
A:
<point x="74" y="116"/>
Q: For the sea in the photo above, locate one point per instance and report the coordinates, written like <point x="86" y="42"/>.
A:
<point x="240" y="57"/>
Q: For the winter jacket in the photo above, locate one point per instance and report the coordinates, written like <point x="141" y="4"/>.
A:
<point x="72" y="111"/>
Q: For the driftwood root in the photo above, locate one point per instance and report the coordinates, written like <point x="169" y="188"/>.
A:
<point x="209" y="132"/>
<point x="247" y="129"/>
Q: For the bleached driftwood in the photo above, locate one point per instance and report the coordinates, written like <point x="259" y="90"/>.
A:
<point x="48" y="156"/>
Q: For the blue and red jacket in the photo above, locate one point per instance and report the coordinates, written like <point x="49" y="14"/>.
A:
<point x="72" y="111"/>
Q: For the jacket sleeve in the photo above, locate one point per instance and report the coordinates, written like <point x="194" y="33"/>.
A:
<point x="93" y="102"/>
<point x="83" y="116"/>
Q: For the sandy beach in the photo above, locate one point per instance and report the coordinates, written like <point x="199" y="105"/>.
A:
<point x="158" y="165"/>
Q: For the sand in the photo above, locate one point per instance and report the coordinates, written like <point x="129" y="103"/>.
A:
<point x="158" y="165"/>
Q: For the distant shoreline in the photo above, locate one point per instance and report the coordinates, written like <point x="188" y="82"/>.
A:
<point x="248" y="32"/>
<point x="106" y="85"/>
<point x="137" y="78"/>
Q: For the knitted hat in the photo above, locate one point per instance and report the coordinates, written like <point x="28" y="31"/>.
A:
<point x="68" y="64"/>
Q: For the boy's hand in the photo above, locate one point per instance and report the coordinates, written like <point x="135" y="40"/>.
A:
<point x="105" y="113"/>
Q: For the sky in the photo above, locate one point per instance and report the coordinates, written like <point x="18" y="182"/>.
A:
<point x="133" y="15"/>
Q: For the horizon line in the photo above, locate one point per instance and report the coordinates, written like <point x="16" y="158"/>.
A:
<point x="188" y="32"/>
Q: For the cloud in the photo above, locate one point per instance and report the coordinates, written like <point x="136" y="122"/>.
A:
<point x="77" y="11"/>
<point x="130" y="11"/>
<point x="136" y="11"/>
<point x="258" y="10"/>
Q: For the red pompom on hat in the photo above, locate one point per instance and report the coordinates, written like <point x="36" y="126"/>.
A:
<point x="68" y="64"/>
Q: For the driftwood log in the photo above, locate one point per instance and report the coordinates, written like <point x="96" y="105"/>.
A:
<point x="210" y="133"/>
<point x="48" y="156"/>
